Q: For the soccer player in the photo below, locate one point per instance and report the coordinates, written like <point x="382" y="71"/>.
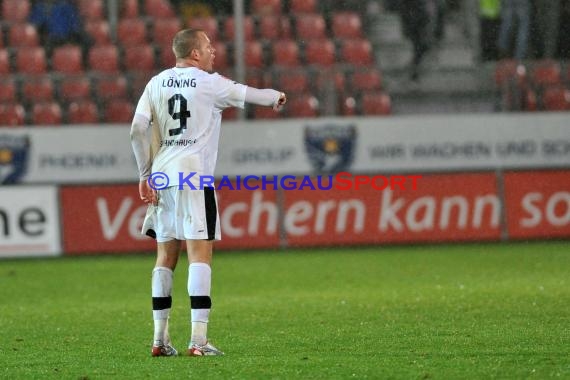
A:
<point x="175" y="130"/>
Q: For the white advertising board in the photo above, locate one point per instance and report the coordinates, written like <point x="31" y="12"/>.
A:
<point x="29" y="221"/>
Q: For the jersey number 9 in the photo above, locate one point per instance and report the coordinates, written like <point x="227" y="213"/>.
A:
<point x="182" y="115"/>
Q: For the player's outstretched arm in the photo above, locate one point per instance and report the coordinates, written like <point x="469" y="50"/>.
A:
<point x="265" y="97"/>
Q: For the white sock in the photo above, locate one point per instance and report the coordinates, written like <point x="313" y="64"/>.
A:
<point x="199" y="284"/>
<point x="161" y="302"/>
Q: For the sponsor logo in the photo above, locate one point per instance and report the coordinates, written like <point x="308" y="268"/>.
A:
<point x="14" y="153"/>
<point x="330" y="148"/>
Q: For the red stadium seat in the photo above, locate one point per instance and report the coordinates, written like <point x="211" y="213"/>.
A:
<point x="303" y="6"/>
<point x="346" y="25"/>
<point x="91" y="9"/>
<point x="4" y="61"/>
<point x="104" y="58"/>
<point x="254" y="54"/>
<point x="261" y="112"/>
<point x="67" y="59"/>
<point x="46" y="113"/>
<point x="15" y="11"/>
<point x="221" y="52"/>
<point x="129" y="8"/>
<point x="331" y="79"/>
<point x="163" y="31"/>
<point x="357" y="52"/>
<point x="8" y="90"/>
<point x="376" y="103"/>
<point x="74" y="88"/>
<point x="266" y="7"/>
<point x="274" y="27"/>
<point x="38" y="89"/>
<point x="292" y="81"/>
<point x="111" y="87"/>
<point x="208" y="24"/>
<point x="230" y="114"/>
<point x="82" y="112"/>
<point x="248" y="28"/>
<point x="366" y="79"/>
<point x="139" y="58"/>
<point x="546" y="73"/>
<point x="308" y="26"/>
<point x="348" y="105"/>
<point x="158" y="8"/>
<point x="23" y="35"/>
<point x="119" y="111"/>
<point x="320" y="52"/>
<point x="285" y="53"/>
<point x="303" y="105"/>
<point x="556" y="98"/>
<point x="31" y="60"/>
<point x="166" y="57"/>
<point x="507" y="70"/>
<point x="99" y="31"/>
<point x="12" y="114"/>
<point x="131" y="32"/>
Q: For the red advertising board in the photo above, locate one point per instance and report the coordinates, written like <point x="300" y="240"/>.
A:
<point x="538" y="204"/>
<point x="447" y="207"/>
<point x="103" y="219"/>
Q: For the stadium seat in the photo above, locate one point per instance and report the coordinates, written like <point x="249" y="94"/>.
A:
<point x="376" y="103"/>
<point x="82" y="112"/>
<point x="331" y="79"/>
<point x="346" y="25"/>
<point x="292" y="81"/>
<point x="230" y="114"/>
<point x="67" y="59"/>
<point x="261" y="112"/>
<point x="556" y="98"/>
<point x="320" y="52"/>
<point x="46" y="113"/>
<point x="357" y="52"/>
<point x="15" y="11"/>
<point x="266" y="7"/>
<point x="366" y="79"/>
<point x="104" y="58"/>
<point x="131" y="32"/>
<point x="12" y="114"/>
<point x="221" y="52"/>
<point x="248" y="28"/>
<point x="507" y="70"/>
<point x="111" y="87"/>
<point x="166" y="57"/>
<point x="158" y="8"/>
<point x="303" y="6"/>
<point x="8" y="90"/>
<point x="38" y="89"/>
<point x="119" y="111"/>
<point x="31" y="60"/>
<point x="139" y="58"/>
<point x="4" y="61"/>
<point x="254" y="54"/>
<point x="99" y="31"/>
<point x="73" y="88"/>
<point x="546" y="73"/>
<point x="208" y="24"/>
<point x="310" y="26"/>
<point x="163" y="31"/>
<point x="348" y="105"/>
<point x="530" y="100"/>
<point x="23" y="34"/>
<point x="129" y="8"/>
<point x="91" y="9"/>
<point x="285" y="53"/>
<point x="303" y="105"/>
<point x="274" y="27"/>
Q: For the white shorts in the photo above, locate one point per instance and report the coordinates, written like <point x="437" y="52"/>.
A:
<point x="183" y="215"/>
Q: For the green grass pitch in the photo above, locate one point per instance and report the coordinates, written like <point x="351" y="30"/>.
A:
<point x="476" y="311"/>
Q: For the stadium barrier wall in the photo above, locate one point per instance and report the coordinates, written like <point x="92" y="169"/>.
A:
<point x="485" y="177"/>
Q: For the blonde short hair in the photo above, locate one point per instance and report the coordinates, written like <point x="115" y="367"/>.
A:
<point x="185" y="41"/>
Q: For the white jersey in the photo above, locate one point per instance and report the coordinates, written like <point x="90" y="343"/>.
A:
<point x="185" y="106"/>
